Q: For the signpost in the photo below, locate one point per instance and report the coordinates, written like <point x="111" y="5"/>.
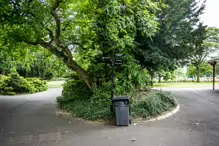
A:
<point x="115" y="60"/>
<point x="121" y="113"/>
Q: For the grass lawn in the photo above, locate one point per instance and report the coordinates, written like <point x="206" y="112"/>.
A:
<point x="58" y="84"/>
<point x="55" y="84"/>
<point x="184" y="85"/>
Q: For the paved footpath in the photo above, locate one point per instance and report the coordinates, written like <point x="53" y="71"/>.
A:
<point x="31" y="120"/>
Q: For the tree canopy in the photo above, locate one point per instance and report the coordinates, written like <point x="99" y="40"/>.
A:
<point x="205" y="70"/>
<point x="63" y="27"/>
<point x="205" y="41"/>
<point x="155" y="36"/>
<point x="169" y="48"/>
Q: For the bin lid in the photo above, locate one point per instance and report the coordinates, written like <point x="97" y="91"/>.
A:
<point x="120" y="98"/>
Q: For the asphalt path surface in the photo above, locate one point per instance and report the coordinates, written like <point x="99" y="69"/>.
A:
<point x="31" y="120"/>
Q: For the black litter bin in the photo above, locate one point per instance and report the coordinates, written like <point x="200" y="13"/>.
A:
<point x="121" y="110"/>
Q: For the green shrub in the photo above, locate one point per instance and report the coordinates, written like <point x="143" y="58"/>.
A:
<point x="14" y="83"/>
<point x="48" y="75"/>
<point x="11" y="93"/>
<point x="167" y="76"/>
<point x="152" y="104"/>
<point x="37" y="85"/>
<point x="82" y="102"/>
<point x="95" y="105"/>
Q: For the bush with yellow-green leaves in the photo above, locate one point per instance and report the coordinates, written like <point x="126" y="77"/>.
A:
<point x="15" y="84"/>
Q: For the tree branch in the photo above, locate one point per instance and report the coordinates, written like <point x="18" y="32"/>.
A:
<point x="74" y="21"/>
<point x="204" y="56"/>
<point x="55" y="51"/>
<point x="49" y="47"/>
<point x="58" y="30"/>
<point x="57" y="20"/>
<point x="51" y="35"/>
<point x="66" y="52"/>
<point x="69" y="62"/>
<point x="33" y="43"/>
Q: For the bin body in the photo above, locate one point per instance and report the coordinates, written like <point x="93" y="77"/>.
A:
<point x="121" y="110"/>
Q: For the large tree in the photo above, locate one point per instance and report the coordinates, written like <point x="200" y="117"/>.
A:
<point x="205" y="41"/>
<point x="205" y="70"/>
<point x="167" y="48"/>
<point x="43" y="23"/>
<point x="66" y="26"/>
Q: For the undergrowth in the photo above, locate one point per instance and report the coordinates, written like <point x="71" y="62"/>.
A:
<point x="151" y="103"/>
<point x="95" y="105"/>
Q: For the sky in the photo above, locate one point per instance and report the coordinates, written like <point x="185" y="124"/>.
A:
<point x="211" y="15"/>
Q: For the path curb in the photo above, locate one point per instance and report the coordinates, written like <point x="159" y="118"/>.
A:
<point x="166" y="115"/>
<point x="161" y="117"/>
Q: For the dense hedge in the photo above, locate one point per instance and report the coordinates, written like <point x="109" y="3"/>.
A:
<point x="15" y="84"/>
<point x="95" y="105"/>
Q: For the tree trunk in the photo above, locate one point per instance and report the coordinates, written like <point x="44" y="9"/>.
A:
<point x="159" y="78"/>
<point x="80" y="71"/>
<point x="198" y="73"/>
<point x="152" y="77"/>
<point x="71" y="64"/>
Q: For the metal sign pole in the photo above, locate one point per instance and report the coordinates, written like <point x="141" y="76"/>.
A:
<point x="115" y="59"/>
<point x="113" y="77"/>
